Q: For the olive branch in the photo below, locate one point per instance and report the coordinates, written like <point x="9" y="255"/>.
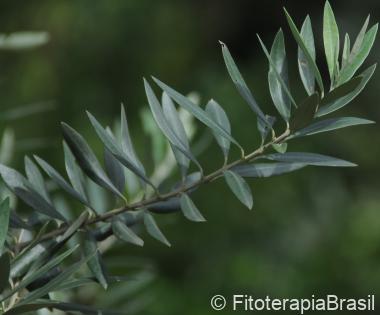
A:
<point x="32" y="268"/>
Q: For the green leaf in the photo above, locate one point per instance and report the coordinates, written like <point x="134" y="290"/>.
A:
<point x="278" y="93"/>
<point x="239" y="187"/>
<point x="341" y="91"/>
<point x="359" y="40"/>
<point x="33" y="255"/>
<point x="308" y="56"/>
<point x="157" y="138"/>
<point x="87" y="159"/>
<point x="57" y="243"/>
<point x="351" y="67"/>
<point x="4" y="221"/>
<point x="74" y="172"/>
<point x="74" y="226"/>
<point x="95" y="263"/>
<point x="22" y="262"/>
<point x="167" y="206"/>
<point x="126" y="234"/>
<point x="5" y="267"/>
<point x="240" y="84"/>
<point x="280" y="147"/>
<point x="21" y="187"/>
<point x="216" y="112"/>
<point x="275" y="74"/>
<point x="330" y="39"/>
<point x="153" y="229"/>
<point x="199" y="113"/>
<point x="54" y="283"/>
<point x="114" y="170"/>
<point x="341" y="96"/>
<point x="266" y="169"/>
<point x="174" y="122"/>
<point x="164" y="126"/>
<point x="190" y="210"/>
<point x="309" y="159"/>
<point x="305" y="70"/>
<point x="80" y="282"/>
<point x="304" y="114"/>
<point x="35" y="178"/>
<point x="330" y="124"/>
<point x="39" y="272"/>
<point x="346" y="50"/>
<point x="110" y="143"/>
<point x="60" y="181"/>
<point x="126" y="142"/>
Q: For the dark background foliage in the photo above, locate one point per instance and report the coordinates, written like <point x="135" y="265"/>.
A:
<point x="311" y="232"/>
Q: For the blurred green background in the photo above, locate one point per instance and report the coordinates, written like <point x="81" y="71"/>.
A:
<point x="316" y="231"/>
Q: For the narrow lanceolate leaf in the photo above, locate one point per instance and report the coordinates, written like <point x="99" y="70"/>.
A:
<point x="5" y="268"/>
<point x="164" y="126"/>
<point x="345" y="93"/>
<point x="126" y="234"/>
<point x="239" y="187"/>
<point x="351" y="67"/>
<point x="35" y="178"/>
<point x="74" y="283"/>
<point x="153" y="229"/>
<point x="330" y="124"/>
<point x="73" y="171"/>
<point x="309" y="58"/>
<point x="95" y="263"/>
<point x="199" y="113"/>
<point x="346" y="50"/>
<point x="87" y="159"/>
<point x="176" y="125"/>
<point x="126" y="142"/>
<point x="59" y="180"/>
<point x="190" y="210"/>
<point x="74" y="227"/>
<point x="275" y="74"/>
<point x="114" y="170"/>
<point x="330" y="39"/>
<point x="40" y="272"/>
<point x="111" y="144"/>
<point x="305" y="70"/>
<point x="240" y="84"/>
<point x="359" y="40"/>
<point x="279" y="96"/>
<point x="266" y="169"/>
<point x="167" y="206"/>
<point x="4" y="222"/>
<point x="21" y="188"/>
<point x="54" y="283"/>
<point x="304" y="114"/>
<point x="309" y="159"/>
<point x="217" y="113"/>
<point x="22" y="263"/>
